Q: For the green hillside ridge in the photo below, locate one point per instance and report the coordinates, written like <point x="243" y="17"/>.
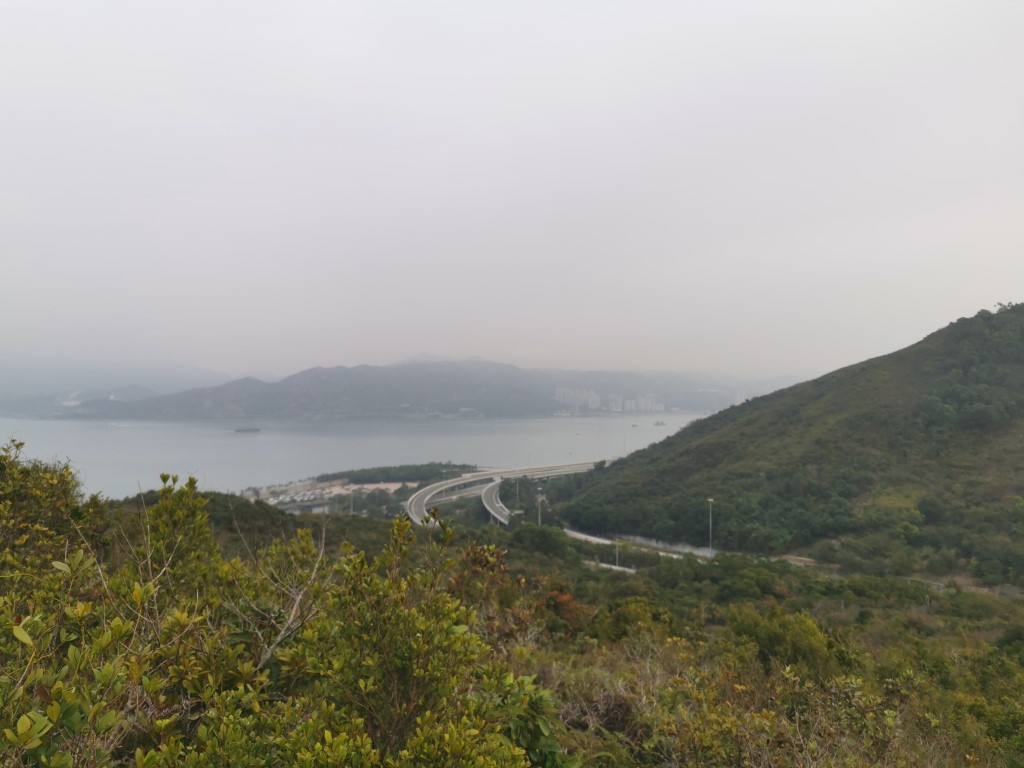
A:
<point x="173" y="630"/>
<point x="905" y="462"/>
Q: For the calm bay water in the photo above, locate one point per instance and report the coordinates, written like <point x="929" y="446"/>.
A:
<point x="117" y="459"/>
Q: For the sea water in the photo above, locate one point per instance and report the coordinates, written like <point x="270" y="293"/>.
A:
<point x="117" y="459"/>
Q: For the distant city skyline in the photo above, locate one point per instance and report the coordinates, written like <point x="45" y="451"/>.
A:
<point x="576" y="400"/>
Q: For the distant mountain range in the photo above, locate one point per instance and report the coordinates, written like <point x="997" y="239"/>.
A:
<point x="466" y="389"/>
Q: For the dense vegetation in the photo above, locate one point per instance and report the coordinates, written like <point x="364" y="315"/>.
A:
<point x="906" y="463"/>
<point x="131" y="635"/>
<point x="132" y="639"/>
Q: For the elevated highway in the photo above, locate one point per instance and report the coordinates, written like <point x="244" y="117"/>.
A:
<point x="487" y="483"/>
<point x="492" y="503"/>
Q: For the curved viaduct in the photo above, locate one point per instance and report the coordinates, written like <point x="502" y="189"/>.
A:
<point x="487" y="484"/>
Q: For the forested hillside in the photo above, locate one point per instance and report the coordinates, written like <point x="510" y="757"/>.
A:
<point x="906" y="462"/>
<point x="130" y="635"/>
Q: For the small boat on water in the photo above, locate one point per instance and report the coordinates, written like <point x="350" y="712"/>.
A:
<point x="247" y="429"/>
<point x="660" y="424"/>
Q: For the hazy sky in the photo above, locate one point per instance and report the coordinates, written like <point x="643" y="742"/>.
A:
<point x="762" y="187"/>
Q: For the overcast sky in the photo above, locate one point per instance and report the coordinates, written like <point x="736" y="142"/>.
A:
<point x="744" y="187"/>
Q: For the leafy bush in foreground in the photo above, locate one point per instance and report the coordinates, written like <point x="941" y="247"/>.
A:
<point x="133" y="642"/>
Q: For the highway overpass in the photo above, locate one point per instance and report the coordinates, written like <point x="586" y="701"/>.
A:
<point x="487" y="483"/>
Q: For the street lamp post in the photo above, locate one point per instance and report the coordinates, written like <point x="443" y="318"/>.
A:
<point x="710" y="504"/>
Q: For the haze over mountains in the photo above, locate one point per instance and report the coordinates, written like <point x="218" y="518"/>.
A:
<point x="471" y="388"/>
<point x="34" y="385"/>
